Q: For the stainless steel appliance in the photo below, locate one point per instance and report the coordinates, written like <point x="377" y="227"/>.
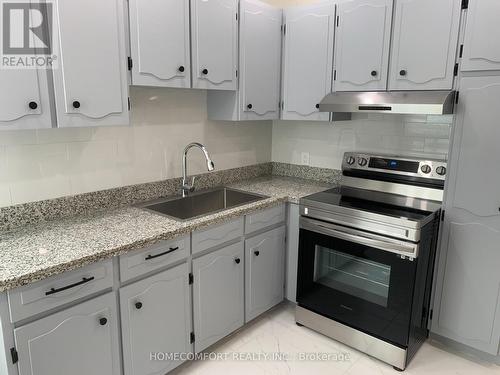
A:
<point x="366" y="255"/>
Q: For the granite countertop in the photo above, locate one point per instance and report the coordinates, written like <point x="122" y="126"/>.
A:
<point x="33" y="253"/>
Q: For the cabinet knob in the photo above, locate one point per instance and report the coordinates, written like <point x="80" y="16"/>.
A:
<point x="181" y="69"/>
<point x="76" y="104"/>
<point x="103" y="321"/>
<point x="249" y="106"/>
<point x="257" y="253"/>
<point x="402" y="72"/>
<point x="317" y="106"/>
<point x="237" y="260"/>
<point x="33" y="105"/>
<point x="374" y="73"/>
<point x="138" y="305"/>
<point x="205" y="71"/>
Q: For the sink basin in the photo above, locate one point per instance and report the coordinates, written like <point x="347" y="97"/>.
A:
<point x="202" y="203"/>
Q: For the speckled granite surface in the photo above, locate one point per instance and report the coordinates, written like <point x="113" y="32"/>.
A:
<point x="329" y="176"/>
<point x="32" y="253"/>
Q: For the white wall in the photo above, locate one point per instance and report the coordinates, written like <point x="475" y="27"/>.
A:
<point x="423" y="136"/>
<point x="44" y="164"/>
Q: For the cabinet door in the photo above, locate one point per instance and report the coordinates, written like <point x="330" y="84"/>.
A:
<point x="25" y="99"/>
<point x="156" y="317"/>
<point x="260" y="60"/>
<point x="307" y="60"/>
<point x="467" y="307"/>
<point x="91" y="81"/>
<point x="159" y="39"/>
<point x="481" y="47"/>
<point x="81" y="340"/>
<point x="362" y="45"/>
<point x="424" y="44"/>
<point x="218" y="295"/>
<point x="214" y="30"/>
<point x="264" y="280"/>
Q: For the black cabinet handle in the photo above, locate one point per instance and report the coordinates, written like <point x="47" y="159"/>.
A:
<point x="257" y="253"/>
<point x="103" y="321"/>
<point x="181" y="69"/>
<point x="84" y="281"/>
<point x="138" y="305"/>
<point x="33" y="105"/>
<point x="205" y="71"/>
<point x="374" y="73"/>
<point x="76" y="104"/>
<point x="402" y="72"/>
<point x="249" y="106"/>
<point x="170" y="250"/>
<point x="237" y="260"/>
<point x="317" y="106"/>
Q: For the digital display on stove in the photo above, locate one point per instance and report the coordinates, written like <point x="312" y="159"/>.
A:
<point x="394" y="165"/>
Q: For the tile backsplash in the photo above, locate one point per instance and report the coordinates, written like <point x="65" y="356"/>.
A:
<point x="50" y="163"/>
<point x="412" y="135"/>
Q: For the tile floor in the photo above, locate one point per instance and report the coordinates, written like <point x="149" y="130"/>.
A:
<point x="276" y="332"/>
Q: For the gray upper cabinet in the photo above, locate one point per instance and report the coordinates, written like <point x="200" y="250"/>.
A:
<point x="424" y="44"/>
<point x="214" y="32"/>
<point x="265" y="263"/>
<point x="467" y="307"/>
<point x="307" y="60"/>
<point x="362" y="41"/>
<point x="481" y="47"/>
<point x="218" y="294"/>
<point x="81" y="340"/>
<point x="91" y="87"/>
<point x="159" y="40"/>
<point x="259" y="67"/>
<point x="156" y="317"/>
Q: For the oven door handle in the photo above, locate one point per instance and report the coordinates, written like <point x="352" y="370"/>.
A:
<point x="397" y="247"/>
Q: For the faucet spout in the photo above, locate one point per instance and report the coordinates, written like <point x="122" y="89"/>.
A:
<point x="186" y="187"/>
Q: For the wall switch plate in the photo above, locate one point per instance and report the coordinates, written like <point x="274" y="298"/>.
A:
<point x="305" y="158"/>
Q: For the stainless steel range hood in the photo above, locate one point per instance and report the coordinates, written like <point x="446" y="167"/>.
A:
<point x="401" y="102"/>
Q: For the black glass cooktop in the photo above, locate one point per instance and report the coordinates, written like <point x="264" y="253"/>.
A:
<point x="337" y="197"/>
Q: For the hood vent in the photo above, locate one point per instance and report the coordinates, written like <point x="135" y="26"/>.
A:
<point x="400" y="102"/>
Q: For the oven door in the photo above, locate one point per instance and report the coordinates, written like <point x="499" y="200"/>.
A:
<point x="356" y="278"/>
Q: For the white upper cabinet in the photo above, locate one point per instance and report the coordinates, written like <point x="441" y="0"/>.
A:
<point x="91" y="79"/>
<point x="214" y="30"/>
<point x="424" y="44"/>
<point x="307" y="60"/>
<point x="481" y="47"/>
<point x="260" y="67"/>
<point x="24" y="97"/>
<point x="362" y="45"/>
<point x="260" y="60"/>
<point x="159" y="39"/>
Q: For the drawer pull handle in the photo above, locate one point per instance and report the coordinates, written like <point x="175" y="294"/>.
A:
<point x="84" y="281"/>
<point x="170" y="250"/>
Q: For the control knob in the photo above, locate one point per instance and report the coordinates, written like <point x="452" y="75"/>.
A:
<point x="441" y="170"/>
<point x="426" y="169"/>
<point x="362" y="162"/>
<point x="350" y="160"/>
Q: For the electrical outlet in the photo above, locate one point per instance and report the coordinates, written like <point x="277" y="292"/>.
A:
<point x="305" y="158"/>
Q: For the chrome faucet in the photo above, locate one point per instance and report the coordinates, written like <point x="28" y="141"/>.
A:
<point x="188" y="188"/>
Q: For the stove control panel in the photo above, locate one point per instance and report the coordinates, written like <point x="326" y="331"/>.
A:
<point x="397" y="165"/>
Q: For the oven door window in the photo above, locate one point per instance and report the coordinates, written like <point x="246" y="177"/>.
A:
<point x="358" y="285"/>
<point x="354" y="275"/>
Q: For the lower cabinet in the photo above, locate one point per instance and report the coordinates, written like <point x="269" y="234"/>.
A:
<point x="218" y="294"/>
<point x="156" y="321"/>
<point x="81" y="340"/>
<point x="264" y="280"/>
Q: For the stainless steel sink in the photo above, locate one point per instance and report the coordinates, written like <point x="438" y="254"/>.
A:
<point x="202" y="203"/>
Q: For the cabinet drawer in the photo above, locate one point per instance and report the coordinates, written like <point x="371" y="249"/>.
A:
<point x="264" y="219"/>
<point x="151" y="258"/>
<point x="59" y="290"/>
<point x="214" y="236"/>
